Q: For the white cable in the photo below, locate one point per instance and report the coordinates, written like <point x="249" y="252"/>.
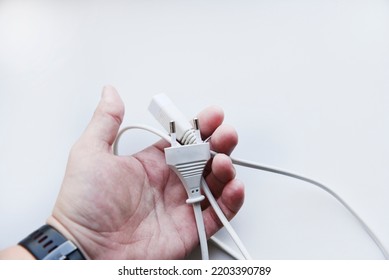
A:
<point x="254" y="165"/>
<point x="188" y="162"/>
<point x="371" y="234"/>
<point x="225" y="248"/>
<point x="201" y="230"/>
<point x="142" y="127"/>
<point x="224" y="220"/>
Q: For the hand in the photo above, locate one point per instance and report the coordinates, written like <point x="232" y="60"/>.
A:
<point x="133" y="207"/>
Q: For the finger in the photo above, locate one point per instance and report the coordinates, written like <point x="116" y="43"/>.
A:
<point x="230" y="201"/>
<point x="224" y="139"/>
<point x="106" y="120"/>
<point x="222" y="171"/>
<point x="209" y="119"/>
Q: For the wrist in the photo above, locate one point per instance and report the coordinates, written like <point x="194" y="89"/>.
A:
<point x="52" y="221"/>
<point x="16" y="252"/>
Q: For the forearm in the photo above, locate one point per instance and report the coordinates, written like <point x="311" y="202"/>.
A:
<point x="16" y="252"/>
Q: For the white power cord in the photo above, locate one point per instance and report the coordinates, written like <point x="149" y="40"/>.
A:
<point x="224" y="247"/>
<point x="224" y="221"/>
<point x="266" y="168"/>
<point x="198" y="213"/>
<point x="141" y="127"/>
<point x="188" y="162"/>
<point x="189" y="137"/>
<point x="254" y="165"/>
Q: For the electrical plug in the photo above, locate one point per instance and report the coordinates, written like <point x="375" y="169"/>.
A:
<point x="188" y="162"/>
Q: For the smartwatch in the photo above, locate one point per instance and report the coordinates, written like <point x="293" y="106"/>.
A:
<point x="46" y="243"/>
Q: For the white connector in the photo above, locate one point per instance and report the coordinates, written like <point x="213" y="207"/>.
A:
<point x="188" y="162"/>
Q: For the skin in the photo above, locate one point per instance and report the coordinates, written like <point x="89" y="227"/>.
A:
<point x="133" y="207"/>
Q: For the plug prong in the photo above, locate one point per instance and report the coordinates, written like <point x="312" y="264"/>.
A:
<point x="197" y="130"/>
<point x="173" y="137"/>
<point x="196" y="123"/>
<point x="172" y="126"/>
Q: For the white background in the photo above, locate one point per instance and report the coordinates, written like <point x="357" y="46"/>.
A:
<point x="305" y="83"/>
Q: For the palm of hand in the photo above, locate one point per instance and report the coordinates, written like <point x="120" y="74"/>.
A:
<point x="133" y="206"/>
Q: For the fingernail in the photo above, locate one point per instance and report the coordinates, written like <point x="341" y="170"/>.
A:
<point x="107" y="93"/>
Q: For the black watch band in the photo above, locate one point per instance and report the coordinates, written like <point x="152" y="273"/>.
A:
<point x="46" y="243"/>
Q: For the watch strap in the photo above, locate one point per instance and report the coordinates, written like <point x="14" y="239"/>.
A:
<point x="47" y="243"/>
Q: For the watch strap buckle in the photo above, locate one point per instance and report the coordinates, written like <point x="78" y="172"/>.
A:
<point x="62" y="251"/>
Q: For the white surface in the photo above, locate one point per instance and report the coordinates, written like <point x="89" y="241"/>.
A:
<point x="304" y="82"/>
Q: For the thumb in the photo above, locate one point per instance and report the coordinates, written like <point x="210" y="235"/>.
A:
<point x="107" y="118"/>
